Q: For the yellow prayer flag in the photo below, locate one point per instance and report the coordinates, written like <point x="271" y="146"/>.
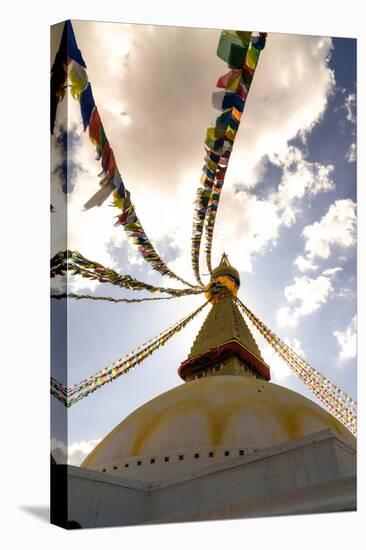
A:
<point x="78" y="79"/>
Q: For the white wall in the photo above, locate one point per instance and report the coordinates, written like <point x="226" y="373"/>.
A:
<point x="314" y="474"/>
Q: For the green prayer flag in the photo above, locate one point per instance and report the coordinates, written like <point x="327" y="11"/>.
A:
<point x="132" y="227"/>
<point x="103" y="138"/>
<point x="244" y="36"/>
<point x="233" y="46"/>
<point x="252" y="57"/>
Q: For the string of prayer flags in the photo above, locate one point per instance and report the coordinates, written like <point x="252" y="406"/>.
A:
<point x="70" y="396"/>
<point x="67" y="52"/>
<point x="109" y="298"/>
<point x="235" y="49"/>
<point x="237" y="84"/>
<point x="132" y="225"/>
<point x="69" y="70"/>
<point x="58" y="263"/>
<point x="339" y="404"/>
<point x="76" y="264"/>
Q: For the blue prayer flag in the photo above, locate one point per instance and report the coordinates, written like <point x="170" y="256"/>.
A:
<point x="86" y="105"/>
<point x="72" y="47"/>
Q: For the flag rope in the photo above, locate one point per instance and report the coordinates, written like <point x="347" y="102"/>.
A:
<point x="241" y="51"/>
<point x="339" y="404"/>
<point x="108" y="298"/>
<point x="69" y="72"/>
<point x="232" y="116"/>
<point x="74" y="262"/>
<point x="69" y="396"/>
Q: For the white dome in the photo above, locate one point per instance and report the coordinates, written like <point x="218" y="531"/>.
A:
<point x="211" y="417"/>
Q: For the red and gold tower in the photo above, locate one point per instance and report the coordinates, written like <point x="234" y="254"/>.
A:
<point x="224" y="344"/>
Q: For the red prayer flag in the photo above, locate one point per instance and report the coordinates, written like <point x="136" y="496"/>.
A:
<point x="106" y="156"/>
<point x="95" y="126"/>
<point x="242" y="91"/>
<point x="225" y="80"/>
<point x="111" y="164"/>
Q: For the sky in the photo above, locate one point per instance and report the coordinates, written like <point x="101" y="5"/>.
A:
<point x="287" y="216"/>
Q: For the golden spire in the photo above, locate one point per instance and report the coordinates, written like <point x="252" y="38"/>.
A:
<point x="224" y="259"/>
<point x="224" y="344"/>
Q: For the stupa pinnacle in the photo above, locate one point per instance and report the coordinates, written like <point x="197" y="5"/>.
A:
<point x="224" y="344"/>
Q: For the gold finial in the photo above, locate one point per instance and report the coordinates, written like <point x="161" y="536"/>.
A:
<point x="224" y="278"/>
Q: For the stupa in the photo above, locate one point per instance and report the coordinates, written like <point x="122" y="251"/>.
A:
<point x="226" y="409"/>
<point x="228" y="443"/>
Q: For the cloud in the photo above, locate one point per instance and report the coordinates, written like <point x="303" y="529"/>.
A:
<point x="279" y="369"/>
<point x="336" y="227"/>
<point x="299" y="178"/>
<point x="282" y="102"/>
<point x="133" y="70"/>
<point x="351" y="153"/>
<point x="246" y="234"/>
<point x="295" y="344"/>
<point x="59" y="284"/>
<point x="304" y="265"/>
<point x="75" y="453"/>
<point x="309" y="294"/>
<point x="286" y="318"/>
<point x="347" y="341"/>
<point x="350" y="107"/>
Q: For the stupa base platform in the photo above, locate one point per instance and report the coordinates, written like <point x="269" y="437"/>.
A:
<point x="310" y="475"/>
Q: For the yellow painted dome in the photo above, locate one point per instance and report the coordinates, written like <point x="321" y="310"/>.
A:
<point x="216" y="412"/>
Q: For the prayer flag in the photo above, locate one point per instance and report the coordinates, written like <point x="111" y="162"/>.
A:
<point x="252" y="57"/>
<point x="230" y="80"/>
<point x="86" y="105"/>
